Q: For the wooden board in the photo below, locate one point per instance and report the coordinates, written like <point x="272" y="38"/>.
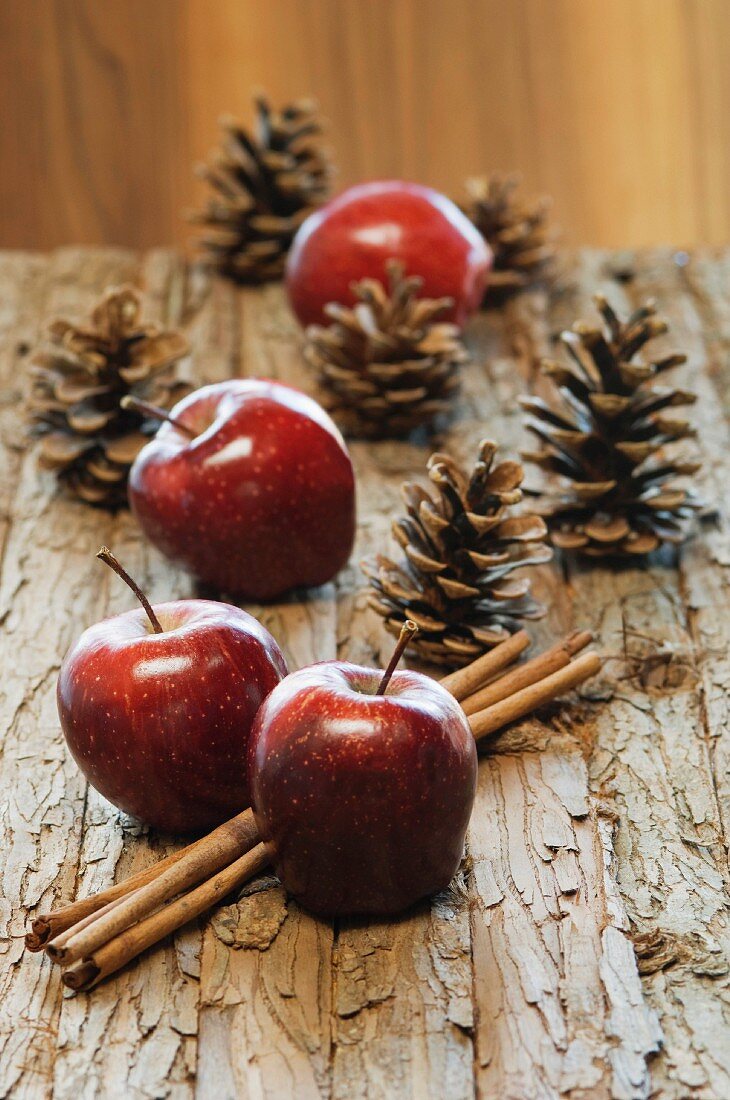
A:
<point x="581" y="952"/>
<point x="617" y="110"/>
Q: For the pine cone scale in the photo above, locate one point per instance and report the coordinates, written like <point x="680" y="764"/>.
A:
<point x="104" y="471"/>
<point x="87" y="420"/>
<point x="58" y="450"/>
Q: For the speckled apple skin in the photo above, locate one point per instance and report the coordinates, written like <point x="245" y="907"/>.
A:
<point x="354" y="235"/>
<point x="160" y="723"/>
<point x="364" y="799"/>
<point x="260" y="502"/>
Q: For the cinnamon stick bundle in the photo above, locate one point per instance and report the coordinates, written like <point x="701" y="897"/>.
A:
<point x="530" y="672"/>
<point x="527" y="700"/>
<point x="226" y="840"/>
<point x="197" y="863"/>
<point x="94" y="937"/>
<point x="466" y="680"/>
<point x="99" y="962"/>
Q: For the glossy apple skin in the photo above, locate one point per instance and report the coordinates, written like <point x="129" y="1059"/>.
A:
<point x="354" y="235"/>
<point x="160" y="723"/>
<point x="261" y="501"/>
<point x="364" y="799"/>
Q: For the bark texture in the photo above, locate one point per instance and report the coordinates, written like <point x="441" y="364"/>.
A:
<point x="582" y="950"/>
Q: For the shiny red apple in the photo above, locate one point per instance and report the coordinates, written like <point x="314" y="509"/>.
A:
<point x="355" y="234"/>
<point x="160" y="722"/>
<point x="364" y="798"/>
<point x="251" y="489"/>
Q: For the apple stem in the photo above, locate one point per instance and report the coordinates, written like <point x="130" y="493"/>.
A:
<point x="146" y="409"/>
<point x="108" y="558"/>
<point x="407" y="631"/>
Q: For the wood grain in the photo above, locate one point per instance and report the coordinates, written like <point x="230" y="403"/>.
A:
<point x="617" y="110"/>
<point x="599" y="828"/>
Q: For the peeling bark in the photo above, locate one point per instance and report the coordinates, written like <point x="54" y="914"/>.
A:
<point x="557" y="992"/>
<point x="582" y="950"/>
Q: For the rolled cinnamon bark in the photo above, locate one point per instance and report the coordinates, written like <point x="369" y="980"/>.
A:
<point x="528" y="673"/>
<point x="62" y="939"/>
<point x="466" y="680"/>
<point x="123" y="948"/>
<point x="225" y="844"/>
<point x="47" y="926"/>
<point x="536" y="695"/>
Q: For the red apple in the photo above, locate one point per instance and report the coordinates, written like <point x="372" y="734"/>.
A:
<point x="160" y="723"/>
<point x="354" y="235"/>
<point x="260" y="500"/>
<point x="364" y="798"/>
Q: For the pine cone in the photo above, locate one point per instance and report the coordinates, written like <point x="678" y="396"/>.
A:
<point x="516" y="231"/>
<point x="265" y="184"/>
<point x="386" y="365"/>
<point x="77" y="383"/>
<point x="461" y="546"/>
<point x="608" y="440"/>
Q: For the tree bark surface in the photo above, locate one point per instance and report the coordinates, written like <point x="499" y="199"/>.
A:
<point x="581" y="951"/>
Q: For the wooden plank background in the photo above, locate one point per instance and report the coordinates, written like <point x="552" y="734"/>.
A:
<point x="581" y="953"/>
<point x="619" y="110"/>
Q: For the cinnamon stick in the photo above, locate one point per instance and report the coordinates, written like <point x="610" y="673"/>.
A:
<point x="226" y="843"/>
<point x="536" y="695"/>
<point x="47" y="926"/>
<point x="115" y="953"/>
<point x="466" y="680"/>
<point x="62" y="939"/>
<point x="529" y="673"/>
<point x="575" y="642"/>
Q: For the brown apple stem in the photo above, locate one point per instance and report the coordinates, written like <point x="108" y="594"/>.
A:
<point x="154" y="411"/>
<point x="407" y="631"/>
<point x="108" y="558"/>
<point x="115" y="953"/>
<point x="225" y="844"/>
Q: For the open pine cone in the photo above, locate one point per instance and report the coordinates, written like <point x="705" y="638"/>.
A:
<point x="608" y="440"/>
<point x="265" y="183"/>
<point x="386" y="365"/>
<point x="461" y="548"/>
<point x="77" y="382"/>
<point x="517" y="231"/>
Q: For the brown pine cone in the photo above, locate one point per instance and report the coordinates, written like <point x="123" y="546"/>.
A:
<point x="77" y="382"/>
<point x="462" y="546"/>
<point x="607" y="438"/>
<point x="516" y="230"/>
<point x="387" y="365"/>
<point x="265" y="183"/>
